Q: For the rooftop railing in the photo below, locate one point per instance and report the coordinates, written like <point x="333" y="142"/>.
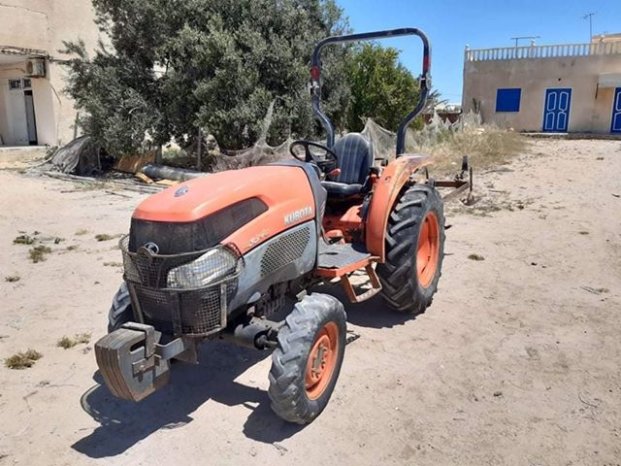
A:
<point x="543" y="51"/>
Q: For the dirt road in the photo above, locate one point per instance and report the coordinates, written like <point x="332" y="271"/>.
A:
<point x="518" y="361"/>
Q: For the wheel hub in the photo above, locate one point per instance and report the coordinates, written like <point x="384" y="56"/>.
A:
<point x="321" y="361"/>
<point x="428" y="249"/>
<point x="321" y="350"/>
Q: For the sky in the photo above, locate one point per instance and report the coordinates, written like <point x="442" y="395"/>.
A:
<point x="453" y="24"/>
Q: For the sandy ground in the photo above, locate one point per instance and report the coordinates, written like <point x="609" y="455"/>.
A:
<point x="518" y="361"/>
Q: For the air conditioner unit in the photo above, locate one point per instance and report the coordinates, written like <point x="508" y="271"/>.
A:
<point x="35" y="67"/>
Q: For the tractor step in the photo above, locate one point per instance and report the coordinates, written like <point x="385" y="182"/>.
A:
<point x="376" y="286"/>
<point x="340" y="256"/>
<point x="341" y="260"/>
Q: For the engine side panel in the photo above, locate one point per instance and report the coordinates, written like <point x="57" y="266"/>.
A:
<point x="285" y="257"/>
<point x="284" y="190"/>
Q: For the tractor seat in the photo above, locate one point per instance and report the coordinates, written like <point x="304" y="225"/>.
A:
<point x="355" y="157"/>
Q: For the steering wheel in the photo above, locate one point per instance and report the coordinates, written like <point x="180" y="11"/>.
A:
<point x="326" y="165"/>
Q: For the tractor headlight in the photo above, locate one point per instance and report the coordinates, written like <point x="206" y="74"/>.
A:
<point x="211" y="267"/>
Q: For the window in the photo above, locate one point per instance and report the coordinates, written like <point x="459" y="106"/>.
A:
<point x="15" y="84"/>
<point x="27" y="84"/>
<point x="508" y="100"/>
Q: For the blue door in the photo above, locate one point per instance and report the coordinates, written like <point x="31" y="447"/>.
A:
<point x="556" y="111"/>
<point x="616" y="112"/>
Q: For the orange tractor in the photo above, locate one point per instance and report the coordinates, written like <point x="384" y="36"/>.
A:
<point x="218" y="256"/>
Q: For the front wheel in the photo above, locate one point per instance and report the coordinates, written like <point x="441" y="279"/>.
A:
<point x="414" y="250"/>
<point x="308" y="359"/>
<point x="121" y="310"/>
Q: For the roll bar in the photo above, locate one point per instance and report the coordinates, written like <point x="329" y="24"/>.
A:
<point x="425" y="79"/>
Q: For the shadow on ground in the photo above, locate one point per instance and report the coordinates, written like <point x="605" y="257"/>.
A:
<point x="124" y="423"/>
<point x="374" y="313"/>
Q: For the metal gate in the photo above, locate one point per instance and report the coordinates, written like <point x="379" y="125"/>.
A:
<point x="556" y="111"/>
<point x="615" y="126"/>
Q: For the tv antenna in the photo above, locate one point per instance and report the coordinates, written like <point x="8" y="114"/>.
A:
<point x="589" y="16"/>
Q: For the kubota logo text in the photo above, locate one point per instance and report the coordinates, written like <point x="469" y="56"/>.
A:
<point x="298" y="215"/>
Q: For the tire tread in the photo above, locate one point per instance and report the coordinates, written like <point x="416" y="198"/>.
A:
<point x="295" y="338"/>
<point x="401" y="289"/>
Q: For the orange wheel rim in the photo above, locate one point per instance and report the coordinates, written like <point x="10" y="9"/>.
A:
<point x="428" y="249"/>
<point x="322" y="361"/>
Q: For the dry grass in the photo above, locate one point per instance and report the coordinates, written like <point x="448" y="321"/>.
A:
<point x="38" y="253"/>
<point x="12" y="278"/>
<point x="97" y="185"/>
<point x="106" y="237"/>
<point x="24" y="239"/>
<point x="113" y="264"/>
<point x="69" y="342"/>
<point x="23" y="360"/>
<point x="476" y="257"/>
<point x="81" y="232"/>
<point x="485" y="147"/>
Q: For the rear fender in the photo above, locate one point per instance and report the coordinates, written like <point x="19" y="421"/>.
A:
<point x="394" y="177"/>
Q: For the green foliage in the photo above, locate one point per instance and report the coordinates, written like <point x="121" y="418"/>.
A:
<point x="381" y="88"/>
<point x="173" y="66"/>
<point x="168" y="67"/>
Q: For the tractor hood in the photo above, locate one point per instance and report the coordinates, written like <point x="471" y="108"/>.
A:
<point x="244" y="207"/>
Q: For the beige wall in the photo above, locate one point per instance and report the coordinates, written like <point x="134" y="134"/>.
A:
<point x="43" y="25"/>
<point x="606" y="38"/>
<point x="24" y="23"/>
<point x="591" y="107"/>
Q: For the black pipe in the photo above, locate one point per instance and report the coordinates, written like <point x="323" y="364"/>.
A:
<point x="255" y="333"/>
<point x="170" y="173"/>
<point x="425" y="79"/>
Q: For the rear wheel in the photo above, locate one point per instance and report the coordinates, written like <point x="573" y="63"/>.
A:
<point x="121" y="310"/>
<point x="414" y="250"/>
<point x="308" y="359"/>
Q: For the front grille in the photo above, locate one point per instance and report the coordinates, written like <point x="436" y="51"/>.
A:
<point x="192" y="312"/>
<point x="181" y="306"/>
<point x="286" y="249"/>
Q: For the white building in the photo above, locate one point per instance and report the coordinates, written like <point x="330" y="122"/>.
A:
<point x="33" y="107"/>
<point x="550" y="88"/>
